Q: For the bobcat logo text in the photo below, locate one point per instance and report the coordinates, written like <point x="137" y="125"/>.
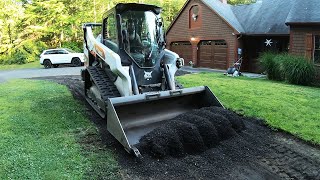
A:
<point x="147" y="75"/>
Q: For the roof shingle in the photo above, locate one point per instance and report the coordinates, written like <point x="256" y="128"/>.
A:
<point x="267" y="16"/>
<point x="304" y="11"/>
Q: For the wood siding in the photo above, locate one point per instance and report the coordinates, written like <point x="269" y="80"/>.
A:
<point x="302" y="41"/>
<point x="299" y="39"/>
<point x="213" y="27"/>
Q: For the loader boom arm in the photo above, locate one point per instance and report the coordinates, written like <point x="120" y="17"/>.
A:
<point x="112" y="59"/>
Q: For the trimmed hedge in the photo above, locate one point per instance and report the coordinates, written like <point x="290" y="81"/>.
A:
<point x="293" y="69"/>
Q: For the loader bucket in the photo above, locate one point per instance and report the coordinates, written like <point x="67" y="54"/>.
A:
<point x="131" y="117"/>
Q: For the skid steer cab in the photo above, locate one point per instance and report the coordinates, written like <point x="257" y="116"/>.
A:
<point x="129" y="75"/>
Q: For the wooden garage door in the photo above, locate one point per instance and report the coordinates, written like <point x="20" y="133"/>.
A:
<point x="213" y="54"/>
<point x="184" y="49"/>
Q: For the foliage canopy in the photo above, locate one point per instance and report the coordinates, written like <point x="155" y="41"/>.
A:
<point x="29" y="26"/>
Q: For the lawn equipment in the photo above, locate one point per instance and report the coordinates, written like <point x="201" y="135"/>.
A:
<point x="235" y="69"/>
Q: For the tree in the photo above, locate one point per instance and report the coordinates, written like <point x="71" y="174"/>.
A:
<point x="29" y="26"/>
<point x="234" y="2"/>
<point x="10" y="14"/>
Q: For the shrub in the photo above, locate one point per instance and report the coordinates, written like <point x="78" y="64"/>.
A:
<point x="293" y="69"/>
<point x="25" y="52"/>
<point x="13" y="57"/>
<point x="76" y="46"/>
<point x="299" y="70"/>
<point x="19" y="56"/>
<point x="272" y="66"/>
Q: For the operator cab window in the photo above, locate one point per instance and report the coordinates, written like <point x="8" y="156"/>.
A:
<point x="110" y="33"/>
<point x="141" y="34"/>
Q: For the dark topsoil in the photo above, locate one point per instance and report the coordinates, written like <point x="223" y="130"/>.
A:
<point x="244" y="149"/>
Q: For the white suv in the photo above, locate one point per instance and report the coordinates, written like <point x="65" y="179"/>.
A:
<point x="54" y="57"/>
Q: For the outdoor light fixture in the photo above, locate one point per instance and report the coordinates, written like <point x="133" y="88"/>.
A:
<point x="192" y="39"/>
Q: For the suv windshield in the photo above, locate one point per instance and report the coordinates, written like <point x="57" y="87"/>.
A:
<point x="139" y="30"/>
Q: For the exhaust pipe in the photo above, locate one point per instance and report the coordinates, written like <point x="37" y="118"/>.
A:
<point x="131" y="117"/>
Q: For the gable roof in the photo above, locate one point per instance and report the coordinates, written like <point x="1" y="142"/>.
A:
<point x="222" y="10"/>
<point x="264" y="17"/>
<point x="225" y="11"/>
<point x="304" y="12"/>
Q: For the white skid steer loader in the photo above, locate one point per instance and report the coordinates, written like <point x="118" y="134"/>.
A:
<point x="129" y="75"/>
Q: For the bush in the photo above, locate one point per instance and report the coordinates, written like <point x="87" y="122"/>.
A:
<point x="293" y="69"/>
<point x="299" y="70"/>
<point x="18" y="57"/>
<point x="27" y="51"/>
<point x="13" y="57"/>
<point x="76" y="46"/>
<point x="271" y="64"/>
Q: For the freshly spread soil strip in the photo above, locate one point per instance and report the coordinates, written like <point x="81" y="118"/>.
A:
<point x="257" y="152"/>
<point x="191" y="133"/>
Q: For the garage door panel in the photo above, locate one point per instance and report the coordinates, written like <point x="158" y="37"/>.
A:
<point x="219" y="66"/>
<point x="220" y="56"/>
<point x="221" y="50"/>
<point x="183" y="49"/>
<point x="213" y="54"/>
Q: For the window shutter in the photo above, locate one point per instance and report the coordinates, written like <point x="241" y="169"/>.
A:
<point x="309" y="46"/>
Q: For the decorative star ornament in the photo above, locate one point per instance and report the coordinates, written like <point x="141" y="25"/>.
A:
<point x="268" y="42"/>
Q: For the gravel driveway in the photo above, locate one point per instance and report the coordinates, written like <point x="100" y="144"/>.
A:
<point x="32" y="73"/>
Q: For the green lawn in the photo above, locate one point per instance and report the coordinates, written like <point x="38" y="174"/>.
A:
<point x="295" y="109"/>
<point x="45" y="135"/>
<point x="21" y="66"/>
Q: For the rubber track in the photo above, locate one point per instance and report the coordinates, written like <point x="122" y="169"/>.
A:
<point x="104" y="84"/>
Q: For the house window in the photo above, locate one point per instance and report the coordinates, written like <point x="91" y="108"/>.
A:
<point x="316" y="53"/>
<point x="194" y="17"/>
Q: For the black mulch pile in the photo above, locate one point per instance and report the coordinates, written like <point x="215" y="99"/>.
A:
<point x="191" y="133"/>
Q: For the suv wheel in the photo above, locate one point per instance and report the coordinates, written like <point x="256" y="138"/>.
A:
<point x="47" y="64"/>
<point x="76" y="62"/>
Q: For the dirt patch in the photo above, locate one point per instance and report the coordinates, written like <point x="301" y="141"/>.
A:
<point x="255" y="152"/>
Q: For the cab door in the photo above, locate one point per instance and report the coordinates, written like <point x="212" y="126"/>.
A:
<point x="110" y="35"/>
